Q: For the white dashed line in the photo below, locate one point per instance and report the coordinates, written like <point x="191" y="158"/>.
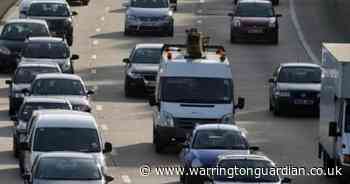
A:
<point x="199" y="21"/>
<point x="93" y="71"/>
<point x="99" y="107"/>
<point x="95" y="42"/>
<point x="98" y="30"/>
<point x="104" y="127"/>
<point x="201" y="1"/>
<point x="94" y="56"/>
<point x="200" y="11"/>
<point x="126" y="179"/>
<point x="102" y="19"/>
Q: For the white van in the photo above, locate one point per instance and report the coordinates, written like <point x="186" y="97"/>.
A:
<point x="191" y="91"/>
<point x="63" y="130"/>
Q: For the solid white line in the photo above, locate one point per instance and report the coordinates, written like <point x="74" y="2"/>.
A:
<point x="301" y="34"/>
<point x="102" y="18"/>
<point x="95" y="42"/>
<point x="94" y="56"/>
<point x="104" y="127"/>
<point x="199" y="21"/>
<point x="126" y="179"/>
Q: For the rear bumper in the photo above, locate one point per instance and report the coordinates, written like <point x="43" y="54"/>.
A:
<point x="144" y="27"/>
<point x="244" y="33"/>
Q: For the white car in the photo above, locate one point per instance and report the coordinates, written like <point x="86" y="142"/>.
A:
<point x="63" y="130"/>
<point x="251" y="161"/>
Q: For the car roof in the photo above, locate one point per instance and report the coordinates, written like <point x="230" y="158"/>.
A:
<point x="301" y="64"/>
<point x="65" y="119"/>
<point x="217" y="127"/>
<point x="255" y="1"/>
<point x="36" y="21"/>
<point x="37" y="64"/>
<point x="45" y="39"/>
<point x="66" y="154"/>
<point x="44" y="99"/>
<point x="57" y="76"/>
<point x="243" y="157"/>
<point x="49" y="1"/>
<point x="149" y="45"/>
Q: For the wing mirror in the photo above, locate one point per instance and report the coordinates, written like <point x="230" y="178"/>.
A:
<point x="8" y="82"/>
<point x="240" y="103"/>
<point x="109" y="178"/>
<point x="90" y="92"/>
<point x="74" y="13"/>
<point x="126" y="60"/>
<point x="27" y="177"/>
<point x="152" y="100"/>
<point x="75" y="57"/>
<point x="230" y="14"/>
<point x="108" y="147"/>
<point x="126" y="4"/>
<point x="25" y="91"/>
<point x="254" y="148"/>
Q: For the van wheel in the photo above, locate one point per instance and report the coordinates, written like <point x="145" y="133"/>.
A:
<point x="327" y="163"/>
<point x="14" y="148"/>
<point x="276" y="110"/>
<point x="270" y="105"/>
<point x="232" y="38"/>
<point x="158" y="145"/>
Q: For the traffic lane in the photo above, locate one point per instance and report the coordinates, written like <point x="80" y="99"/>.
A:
<point x="5" y="5"/>
<point x="323" y="21"/>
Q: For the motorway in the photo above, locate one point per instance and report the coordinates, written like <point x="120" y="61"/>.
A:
<point x="127" y="122"/>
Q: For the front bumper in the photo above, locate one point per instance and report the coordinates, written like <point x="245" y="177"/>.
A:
<point x="147" y="26"/>
<point x="140" y="84"/>
<point x="251" y="33"/>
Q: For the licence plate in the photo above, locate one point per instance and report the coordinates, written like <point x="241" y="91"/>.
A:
<point x="303" y="102"/>
<point x="149" y="24"/>
<point x="255" y="31"/>
<point x="150" y="83"/>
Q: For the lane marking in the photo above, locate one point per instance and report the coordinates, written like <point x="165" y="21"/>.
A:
<point x="95" y="42"/>
<point x="94" y="56"/>
<point x="108" y="8"/>
<point x="98" y="30"/>
<point x="104" y="127"/>
<point x="93" y="71"/>
<point x="201" y="1"/>
<point x="99" y="107"/>
<point x="95" y="88"/>
<point x="301" y="34"/>
<point x="126" y="179"/>
<point x="199" y="21"/>
<point x="102" y="18"/>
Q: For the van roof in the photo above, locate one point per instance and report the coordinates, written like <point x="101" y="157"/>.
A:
<point x="65" y="119"/>
<point x="339" y="50"/>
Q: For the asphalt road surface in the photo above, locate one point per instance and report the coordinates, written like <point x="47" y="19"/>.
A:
<point x="127" y="122"/>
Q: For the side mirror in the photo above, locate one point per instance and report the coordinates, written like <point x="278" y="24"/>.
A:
<point x="278" y="15"/>
<point x="126" y="60"/>
<point x="286" y="180"/>
<point x="109" y="178"/>
<point x="126" y="4"/>
<point x="23" y="12"/>
<point x="108" y="148"/>
<point x="75" y="57"/>
<point x="333" y="130"/>
<point x="74" y="13"/>
<point x="254" y="148"/>
<point x="8" y="82"/>
<point x="14" y="118"/>
<point x="271" y="80"/>
<point x="152" y="100"/>
<point x="25" y="146"/>
<point x="240" y="104"/>
<point x="27" y="176"/>
<point x="90" y="92"/>
<point x="25" y="91"/>
<point x="230" y="14"/>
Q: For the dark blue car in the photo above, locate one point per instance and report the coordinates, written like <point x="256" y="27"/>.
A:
<point x="208" y="142"/>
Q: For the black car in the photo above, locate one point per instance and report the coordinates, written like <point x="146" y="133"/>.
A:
<point x="254" y="20"/>
<point x="29" y="105"/>
<point x="58" y="16"/>
<point x="295" y="86"/>
<point x="13" y="35"/>
<point x="22" y="78"/>
<point x="141" y="68"/>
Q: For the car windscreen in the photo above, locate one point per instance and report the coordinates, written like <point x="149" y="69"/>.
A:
<point x="27" y="109"/>
<point x="219" y="139"/>
<point x="254" y="10"/>
<point x="58" y="87"/>
<point x="249" y="165"/>
<point x="25" y="75"/>
<point x="20" y="31"/>
<point x="196" y="90"/>
<point x="147" y="55"/>
<point x="299" y="75"/>
<point x="46" y="50"/>
<point x="48" y="10"/>
<point x="67" y="169"/>
<point x="149" y="3"/>
<point x="66" y="139"/>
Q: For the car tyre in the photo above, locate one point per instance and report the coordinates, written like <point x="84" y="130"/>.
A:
<point x="270" y="105"/>
<point x="275" y="38"/>
<point x="170" y="30"/>
<point x="276" y="110"/>
<point x="126" y="32"/>
<point x="232" y="38"/>
<point x="12" y="110"/>
<point x="127" y="90"/>
<point x="327" y="163"/>
<point x="14" y="148"/>
<point x="158" y="145"/>
<point x="70" y="40"/>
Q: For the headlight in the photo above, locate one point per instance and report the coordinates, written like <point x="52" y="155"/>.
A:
<point x="132" y="18"/>
<point x="166" y="119"/>
<point x="133" y="75"/>
<point x="236" y="23"/>
<point x="272" y="23"/>
<point x="5" y="51"/>
<point x="282" y="93"/>
<point x="196" y="163"/>
<point x="228" y="119"/>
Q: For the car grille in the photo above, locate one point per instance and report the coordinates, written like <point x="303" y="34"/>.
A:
<point x="190" y="123"/>
<point x="149" y="19"/>
<point x="255" y="24"/>
<point x="149" y="76"/>
<point x="304" y="94"/>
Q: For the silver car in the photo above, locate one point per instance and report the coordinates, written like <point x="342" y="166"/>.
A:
<point x="149" y="16"/>
<point x="68" y="168"/>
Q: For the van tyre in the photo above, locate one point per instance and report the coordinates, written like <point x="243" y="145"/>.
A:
<point x="14" y="148"/>
<point x="170" y="30"/>
<point x="276" y="110"/>
<point x="127" y="90"/>
<point x="232" y="38"/>
<point x="275" y="38"/>
<point x="158" y="145"/>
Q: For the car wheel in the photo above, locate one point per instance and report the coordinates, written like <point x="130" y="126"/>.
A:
<point x="232" y="38"/>
<point x="170" y="30"/>
<point x="276" y="110"/>
<point x="70" y="40"/>
<point x="275" y="38"/>
<point x="327" y="162"/>
<point x="127" y="90"/>
<point x="126" y="32"/>
<point x="14" y="148"/>
<point x="12" y="110"/>
<point x="158" y="145"/>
